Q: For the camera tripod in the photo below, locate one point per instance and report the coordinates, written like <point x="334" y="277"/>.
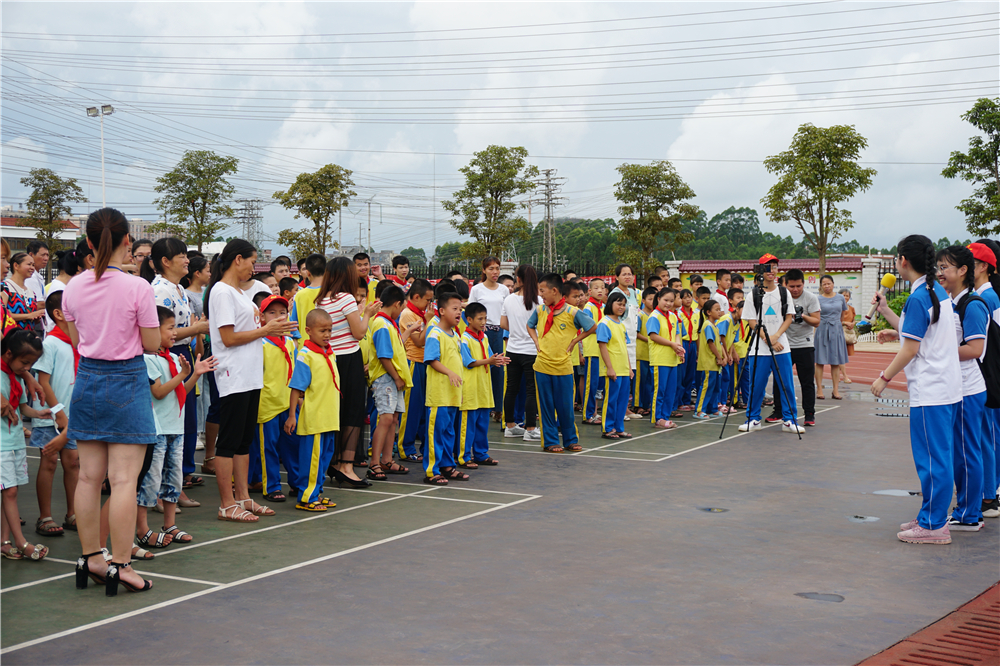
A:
<point x="754" y="343"/>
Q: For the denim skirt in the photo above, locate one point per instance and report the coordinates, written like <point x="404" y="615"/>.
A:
<point x="112" y="403"/>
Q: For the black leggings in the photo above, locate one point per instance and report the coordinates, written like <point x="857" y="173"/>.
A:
<point x="238" y="423"/>
<point x="521" y="365"/>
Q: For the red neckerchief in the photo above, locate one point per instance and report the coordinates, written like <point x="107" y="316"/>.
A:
<point x="596" y="303"/>
<point x="666" y="315"/>
<point x="719" y="291"/>
<point x="743" y="330"/>
<point x="16" y="390"/>
<point x="398" y="280"/>
<point x="551" y="317"/>
<point x="390" y="320"/>
<point x="415" y="310"/>
<point x="180" y="391"/>
<point x="479" y="336"/>
<point x="59" y="334"/>
<point x="326" y="354"/>
<point x="279" y="342"/>
<point x="690" y="325"/>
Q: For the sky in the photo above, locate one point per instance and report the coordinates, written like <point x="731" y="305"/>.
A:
<point x="404" y="93"/>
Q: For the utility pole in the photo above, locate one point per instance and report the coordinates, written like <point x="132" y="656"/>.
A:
<point x="340" y="228"/>
<point x="550" y="185"/>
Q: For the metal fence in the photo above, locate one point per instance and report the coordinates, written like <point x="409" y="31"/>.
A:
<point x="889" y="266"/>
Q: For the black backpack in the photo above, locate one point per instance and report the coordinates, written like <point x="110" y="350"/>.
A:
<point x="990" y="364"/>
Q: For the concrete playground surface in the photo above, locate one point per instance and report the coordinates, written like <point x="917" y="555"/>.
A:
<point x="675" y="547"/>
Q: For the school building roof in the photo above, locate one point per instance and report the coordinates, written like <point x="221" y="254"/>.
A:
<point x="833" y="264"/>
<point x="13" y="222"/>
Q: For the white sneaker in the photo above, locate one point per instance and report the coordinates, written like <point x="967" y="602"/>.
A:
<point x="792" y="426"/>
<point x="513" y="432"/>
<point x="200" y="446"/>
<point x="956" y="525"/>
<point x="532" y="435"/>
<point x="750" y="426"/>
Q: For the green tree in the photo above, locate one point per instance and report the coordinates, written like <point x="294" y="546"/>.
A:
<point x="194" y="196"/>
<point x="318" y="197"/>
<point x="485" y="208"/>
<point x="49" y="204"/>
<point x="449" y="254"/>
<point x="654" y="204"/>
<point x="981" y="167"/>
<point x="416" y="256"/>
<point x="817" y="174"/>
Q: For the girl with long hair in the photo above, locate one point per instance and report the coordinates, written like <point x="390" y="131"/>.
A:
<point x="520" y="375"/>
<point x="491" y="294"/>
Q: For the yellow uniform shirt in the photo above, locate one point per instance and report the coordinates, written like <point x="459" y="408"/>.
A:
<point x="727" y="330"/>
<point x="596" y="313"/>
<point x="706" y="359"/>
<point x="641" y="346"/>
<point x="414" y="352"/>
<point x="386" y="343"/>
<point x="320" y="411"/>
<point x="690" y="323"/>
<point x="444" y="347"/>
<point x="743" y="338"/>
<point x="279" y="361"/>
<point x="666" y="326"/>
<point x="477" y="392"/>
<point x="613" y="334"/>
<point x="553" y="359"/>
<point x="462" y="325"/>
<point x="372" y="283"/>
<point x="303" y="303"/>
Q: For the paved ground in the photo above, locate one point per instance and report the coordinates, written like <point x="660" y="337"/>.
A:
<point x="606" y="557"/>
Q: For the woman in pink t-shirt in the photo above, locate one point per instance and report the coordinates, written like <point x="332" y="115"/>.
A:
<point x="112" y="320"/>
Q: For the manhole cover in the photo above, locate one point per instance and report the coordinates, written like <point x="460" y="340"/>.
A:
<point x="820" y="596"/>
<point x="891" y="415"/>
<point x="711" y="509"/>
<point x="862" y="519"/>
<point x="897" y="493"/>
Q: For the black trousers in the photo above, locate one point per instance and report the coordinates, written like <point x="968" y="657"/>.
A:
<point x="521" y="365"/>
<point x="804" y="360"/>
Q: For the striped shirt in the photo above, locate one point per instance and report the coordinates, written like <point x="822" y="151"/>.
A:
<point x="341" y="338"/>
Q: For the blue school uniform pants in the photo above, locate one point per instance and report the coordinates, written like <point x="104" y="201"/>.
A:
<point x="315" y="454"/>
<point x="271" y="446"/>
<point x="555" y="409"/>
<point x="967" y="458"/>
<point x="780" y="366"/>
<point x="725" y="384"/>
<point x="665" y="383"/>
<point x="590" y="385"/>
<point x="616" y="395"/>
<point x="473" y="435"/>
<point x="643" y="385"/>
<point x="991" y="437"/>
<point x="414" y="419"/>
<point x="438" y="448"/>
<point x="932" y="434"/>
<point x="690" y="370"/>
<point x="190" y="415"/>
<point x="495" y="336"/>
<point x="743" y="381"/>
<point x="708" y="391"/>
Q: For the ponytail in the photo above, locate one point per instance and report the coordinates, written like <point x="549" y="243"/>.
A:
<point x="105" y="230"/>
<point x="234" y="248"/>
<point x="919" y="251"/>
<point x="196" y="265"/>
<point x="529" y="285"/>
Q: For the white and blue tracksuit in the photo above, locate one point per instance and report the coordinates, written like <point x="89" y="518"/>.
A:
<point x="970" y="419"/>
<point x="991" y="423"/>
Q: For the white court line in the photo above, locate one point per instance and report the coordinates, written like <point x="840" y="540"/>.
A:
<point x="546" y="453"/>
<point x="738" y="434"/>
<point x="454" y="499"/>
<point x="36" y="582"/>
<point x="470" y="490"/>
<point x="250" y="579"/>
<point x="655" y="432"/>
<point x="148" y="573"/>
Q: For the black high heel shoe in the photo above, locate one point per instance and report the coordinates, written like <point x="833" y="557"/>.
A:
<point x="115" y="579"/>
<point x="83" y="572"/>
<point x="340" y="478"/>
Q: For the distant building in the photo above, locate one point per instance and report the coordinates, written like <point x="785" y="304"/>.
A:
<point x="139" y="228"/>
<point x="18" y="237"/>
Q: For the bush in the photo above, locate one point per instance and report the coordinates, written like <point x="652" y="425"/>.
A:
<point x="896" y="305"/>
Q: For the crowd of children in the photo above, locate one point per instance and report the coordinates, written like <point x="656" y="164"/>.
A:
<point x="431" y="356"/>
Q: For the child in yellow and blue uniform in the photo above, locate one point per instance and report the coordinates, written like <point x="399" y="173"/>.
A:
<point x="412" y="421"/>
<point x="477" y="392"/>
<point x="666" y="352"/>
<point x="612" y="340"/>
<point x="316" y="383"/>
<point x="741" y="380"/>
<point x="274" y="445"/>
<point x="710" y="359"/>
<point x="390" y="378"/>
<point x="591" y="353"/>
<point x="443" y="358"/>
<point x="687" y="373"/>
<point x="643" y="398"/>
<point x="727" y="335"/>
<point x="306" y="297"/>
<point x="556" y="329"/>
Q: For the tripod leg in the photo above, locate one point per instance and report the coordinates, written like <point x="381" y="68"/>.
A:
<point x="785" y="391"/>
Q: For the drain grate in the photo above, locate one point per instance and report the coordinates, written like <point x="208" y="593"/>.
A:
<point x="969" y="636"/>
<point x="820" y="596"/>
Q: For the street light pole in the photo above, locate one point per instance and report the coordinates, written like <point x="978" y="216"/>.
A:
<point x="104" y="110"/>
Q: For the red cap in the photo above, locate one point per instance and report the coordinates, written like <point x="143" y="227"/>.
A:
<point x="983" y="254"/>
<point x="271" y="300"/>
<point x="768" y="259"/>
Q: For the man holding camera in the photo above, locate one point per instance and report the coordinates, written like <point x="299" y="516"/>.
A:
<point x="800" y="342"/>
<point x="772" y="305"/>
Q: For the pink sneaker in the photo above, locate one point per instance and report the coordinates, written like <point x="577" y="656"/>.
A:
<point x="909" y="526"/>
<point x="662" y="424"/>
<point x="920" y="535"/>
<point x="671" y="425"/>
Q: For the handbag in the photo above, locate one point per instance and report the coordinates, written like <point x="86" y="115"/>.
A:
<point x="850" y="334"/>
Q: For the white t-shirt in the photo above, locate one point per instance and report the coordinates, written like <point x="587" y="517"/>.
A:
<point x="519" y="341"/>
<point x="36" y="284"/>
<point x="721" y="299"/>
<point x="771" y="306"/>
<point x="241" y="368"/>
<point x="256" y="287"/>
<point x="934" y="375"/>
<point x="51" y="288"/>
<point x="492" y="299"/>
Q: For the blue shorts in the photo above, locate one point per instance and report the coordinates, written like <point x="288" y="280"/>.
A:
<point x="42" y="435"/>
